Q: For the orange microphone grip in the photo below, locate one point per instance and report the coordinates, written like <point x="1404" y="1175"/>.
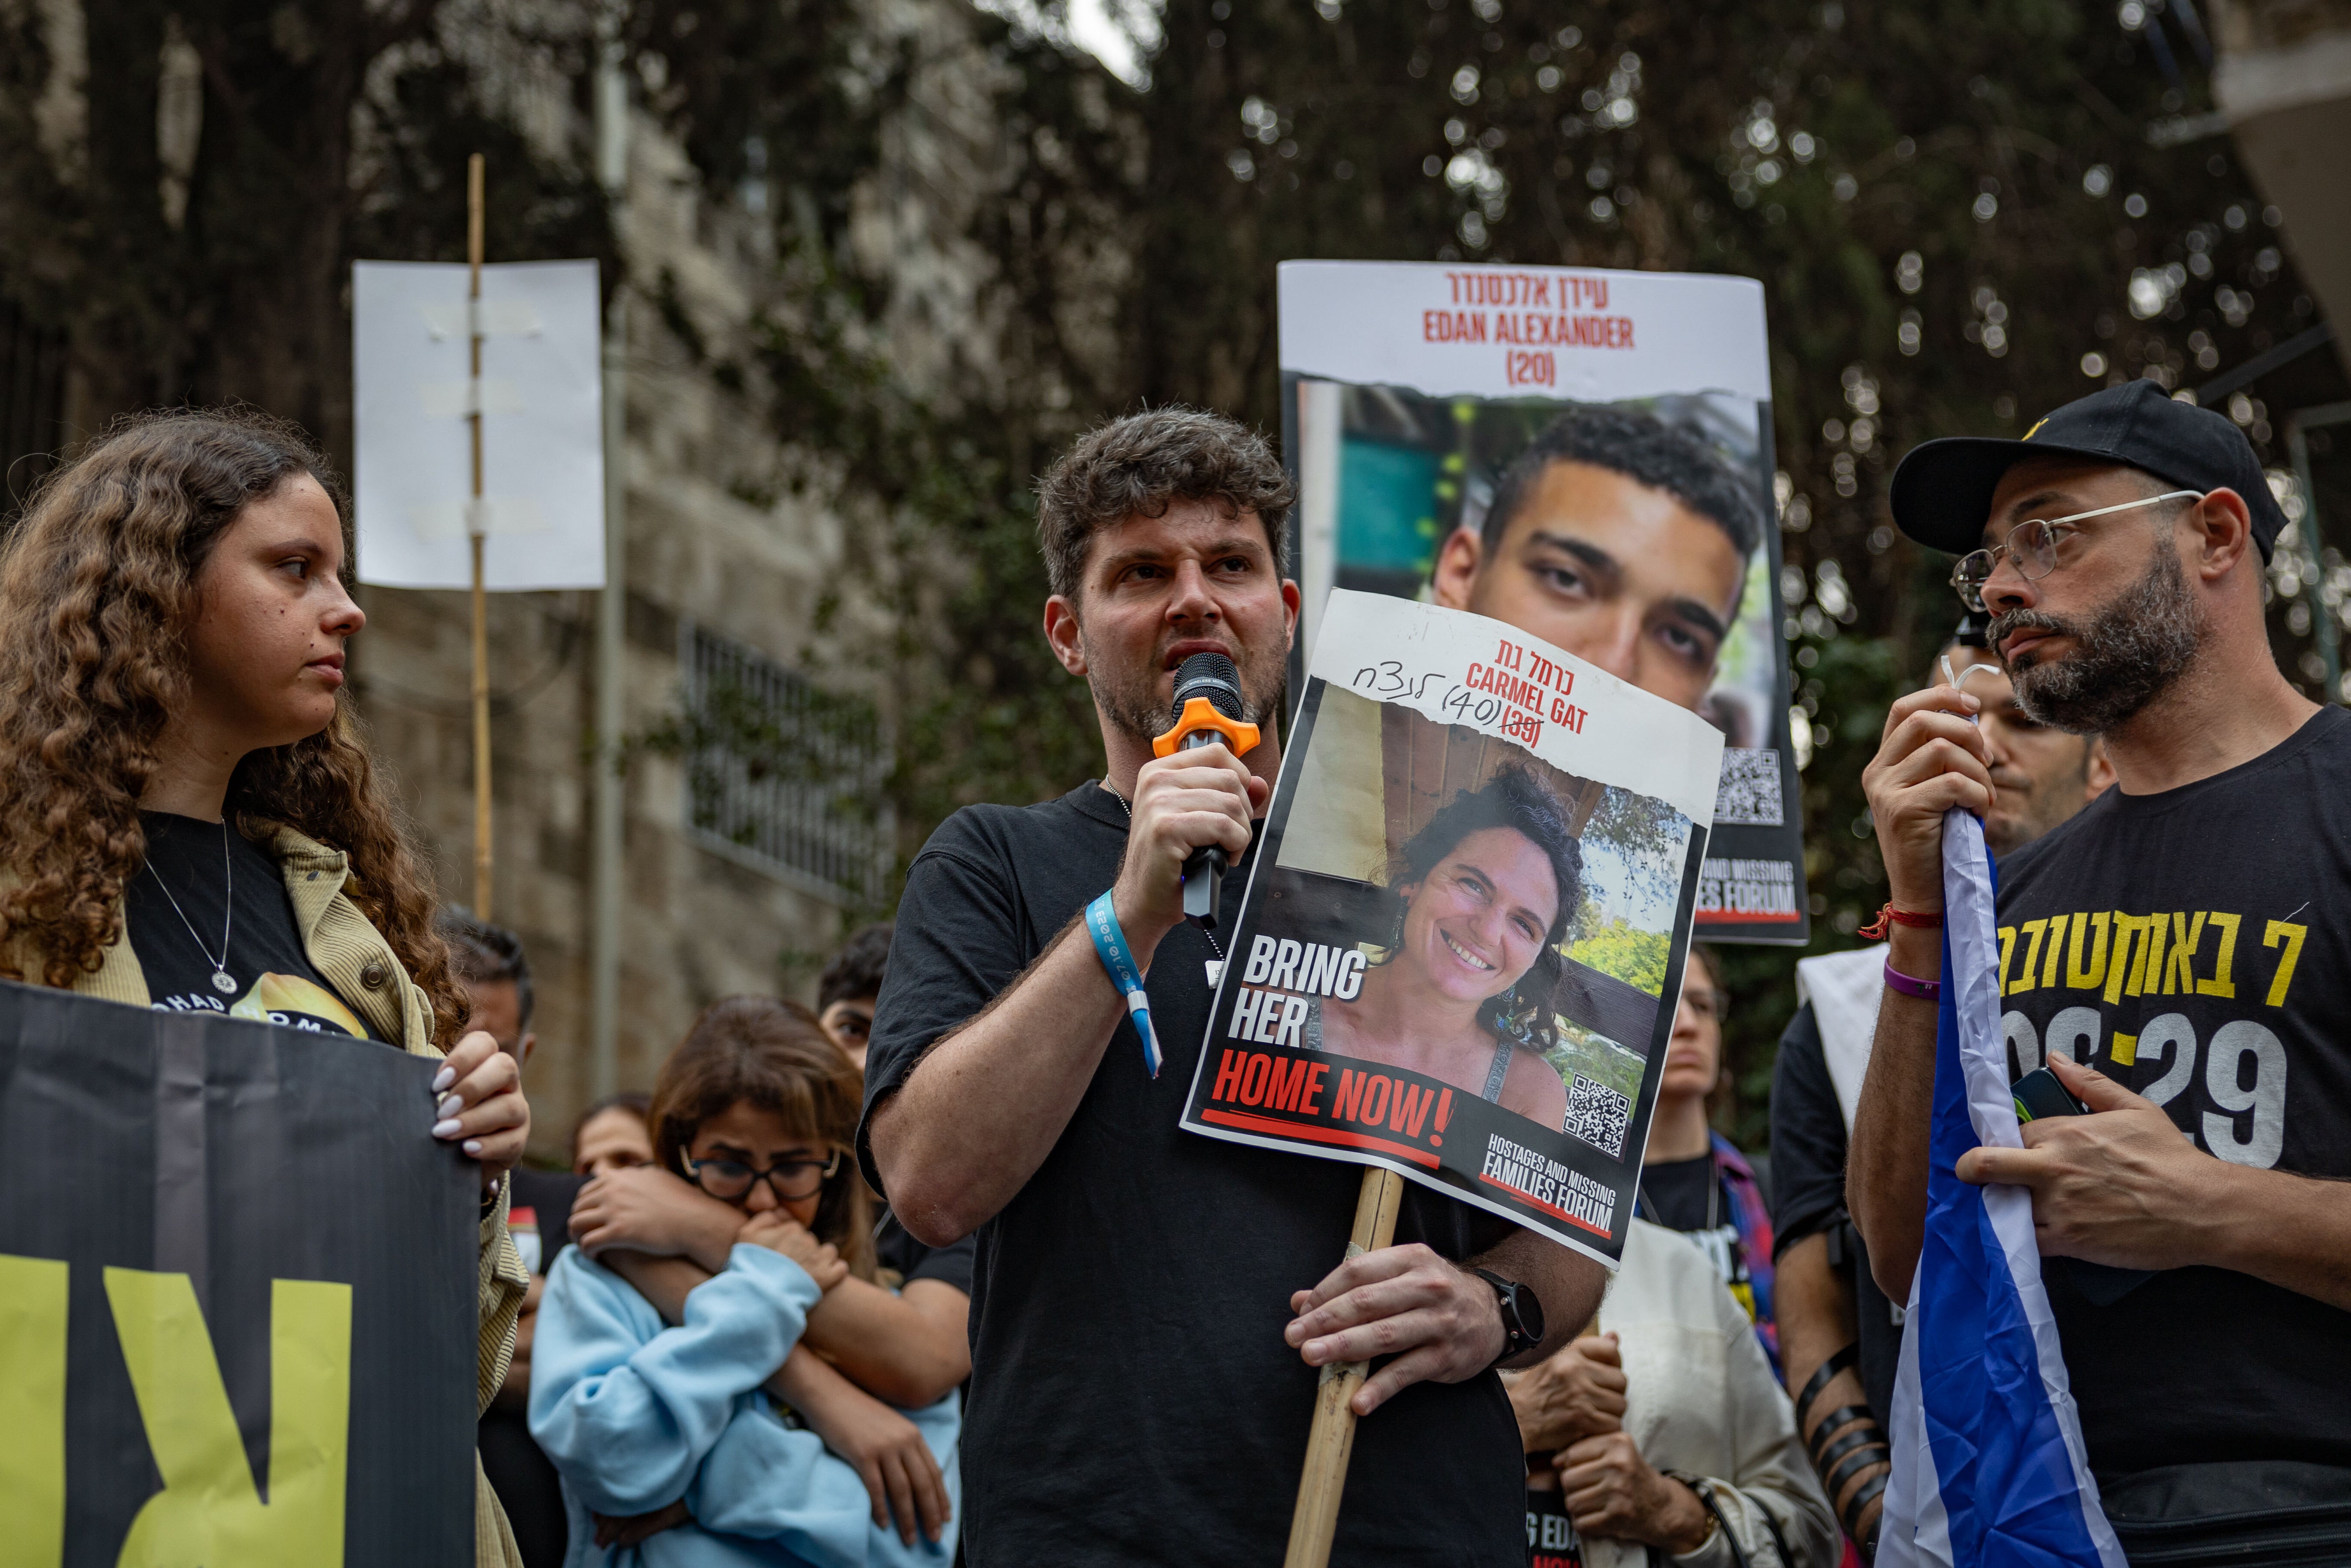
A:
<point x="1240" y="738"/>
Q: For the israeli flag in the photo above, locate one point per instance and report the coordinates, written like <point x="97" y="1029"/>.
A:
<point x="1989" y="1466"/>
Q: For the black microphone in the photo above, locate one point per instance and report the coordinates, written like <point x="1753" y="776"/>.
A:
<point x="1208" y="709"/>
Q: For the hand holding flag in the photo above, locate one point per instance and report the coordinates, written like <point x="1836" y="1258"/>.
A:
<point x="1989" y="1465"/>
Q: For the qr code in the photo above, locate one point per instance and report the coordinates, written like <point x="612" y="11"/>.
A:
<point x="1749" y="791"/>
<point x="1598" y="1114"/>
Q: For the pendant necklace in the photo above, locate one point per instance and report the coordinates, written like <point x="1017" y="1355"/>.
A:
<point x="221" y="981"/>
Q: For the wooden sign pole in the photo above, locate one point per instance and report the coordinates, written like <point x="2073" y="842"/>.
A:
<point x="476" y="527"/>
<point x="1332" y="1439"/>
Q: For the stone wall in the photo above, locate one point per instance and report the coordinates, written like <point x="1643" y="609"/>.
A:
<point x="714" y="539"/>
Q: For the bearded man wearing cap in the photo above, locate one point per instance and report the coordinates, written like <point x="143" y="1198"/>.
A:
<point x="2179" y="954"/>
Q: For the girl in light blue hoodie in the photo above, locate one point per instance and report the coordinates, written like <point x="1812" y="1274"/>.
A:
<point x="688" y="1421"/>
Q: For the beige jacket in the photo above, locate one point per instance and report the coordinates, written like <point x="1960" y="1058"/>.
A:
<point x="1700" y="1399"/>
<point x="358" y="962"/>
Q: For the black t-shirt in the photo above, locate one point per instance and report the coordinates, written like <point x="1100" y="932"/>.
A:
<point x="1808" y="1156"/>
<point x="177" y="945"/>
<point x="2196" y="944"/>
<point x="897" y="1249"/>
<point x="1674" y="1193"/>
<point x="1131" y="1399"/>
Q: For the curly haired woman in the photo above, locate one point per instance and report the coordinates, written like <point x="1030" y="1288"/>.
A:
<point x="188" y="817"/>
<point x="1485" y="892"/>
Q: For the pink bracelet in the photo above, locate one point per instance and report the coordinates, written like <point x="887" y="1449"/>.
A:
<point x="1924" y="990"/>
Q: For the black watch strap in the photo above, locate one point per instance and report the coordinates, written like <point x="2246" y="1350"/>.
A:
<point x="1522" y="1312"/>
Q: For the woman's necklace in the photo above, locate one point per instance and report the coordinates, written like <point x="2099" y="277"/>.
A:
<point x="221" y="981"/>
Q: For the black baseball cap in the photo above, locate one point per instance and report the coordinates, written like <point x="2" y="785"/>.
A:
<point x="1943" y="489"/>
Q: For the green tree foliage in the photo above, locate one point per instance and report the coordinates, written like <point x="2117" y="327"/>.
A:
<point x="1633" y="956"/>
<point x="1960" y="214"/>
<point x="1963" y="215"/>
<point x="315" y="132"/>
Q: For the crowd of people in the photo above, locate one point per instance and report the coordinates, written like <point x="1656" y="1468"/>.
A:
<point x="914" y="1276"/>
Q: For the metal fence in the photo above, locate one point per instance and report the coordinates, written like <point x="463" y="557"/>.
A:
<point x="781" y="774"/>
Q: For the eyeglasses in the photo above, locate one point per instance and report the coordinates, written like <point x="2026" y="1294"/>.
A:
<point x="2033" y="545"/>
<point x="790" y="1180"/>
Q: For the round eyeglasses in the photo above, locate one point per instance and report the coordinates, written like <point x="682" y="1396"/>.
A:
<point x="791" y="1180"/>
<point x="2033" y="545"/>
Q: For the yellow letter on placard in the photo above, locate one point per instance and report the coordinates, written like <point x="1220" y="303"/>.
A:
<point x="32" y="1412"/>
<point x="209" y="1513"/>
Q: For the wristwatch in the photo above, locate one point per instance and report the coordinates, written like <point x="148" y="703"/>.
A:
<point x="1522" y="1315"/>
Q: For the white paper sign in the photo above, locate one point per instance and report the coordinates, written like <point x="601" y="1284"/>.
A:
<point x="1413" y="979"/>
<point x="1524" y="331"/>
<point x="542" y="397"/>
<point x="1572" y="715"/>
<point x="1416" y="391"/>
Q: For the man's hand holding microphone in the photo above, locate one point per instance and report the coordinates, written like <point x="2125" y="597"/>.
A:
<point x="1196" y="795"/>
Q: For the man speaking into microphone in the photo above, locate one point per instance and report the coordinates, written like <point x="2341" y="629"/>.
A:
<point x="1150" y="1309"/>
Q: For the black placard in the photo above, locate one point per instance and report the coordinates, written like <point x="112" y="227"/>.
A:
<point x="210" y="1221"/>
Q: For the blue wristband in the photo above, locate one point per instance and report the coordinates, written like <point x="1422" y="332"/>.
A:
<point x="1110" y="946"/>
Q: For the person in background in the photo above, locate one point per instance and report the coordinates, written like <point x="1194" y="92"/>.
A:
<point x="937" y="1277"/>
<point x="177" y="758"/>
<point x="1839" y="1336"/>
<point x="902" y="1338"/>
<point x="612" y="1136"/>
<point x="655" y="1345"/>
<point x="850" y="985"/>
<point x="1620" y="1425"/>
<point x="1693" y="1180"/>
<point x="489" y="963"/>
<point x="1665" y="1432"/>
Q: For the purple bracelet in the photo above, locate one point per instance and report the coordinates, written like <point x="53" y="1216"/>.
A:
<point x="1924" y="990"/>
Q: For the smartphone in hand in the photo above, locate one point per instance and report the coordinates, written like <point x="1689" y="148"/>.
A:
<point x="2039" y="1095"/>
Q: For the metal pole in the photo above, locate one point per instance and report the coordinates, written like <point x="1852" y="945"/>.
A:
<point x="612" y="101"/>
<point x="477" y="525"/>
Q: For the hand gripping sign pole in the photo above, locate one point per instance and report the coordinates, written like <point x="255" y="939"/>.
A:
<point x="1417" y="727"/>
<point x="477" y="530"/>
<point x="1332" y="1439"/>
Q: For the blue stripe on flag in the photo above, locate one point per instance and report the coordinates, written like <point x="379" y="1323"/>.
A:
<point x="1993" y="1469"/>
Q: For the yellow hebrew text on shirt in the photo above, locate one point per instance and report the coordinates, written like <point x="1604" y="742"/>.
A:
<point x="209" y="1512"/>
<point x="2223" y="982"/>
<point x="2179" y="968"/>
<point x="2135" y="965"/>
<point x="2034" y="931"/>
<point x="2294" y="935"/>
<point x="2124" y="1049"/>
<point x="32" y="1410"/>
<point x="2057" y="940"/>
<point x="2088" y="979"/>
